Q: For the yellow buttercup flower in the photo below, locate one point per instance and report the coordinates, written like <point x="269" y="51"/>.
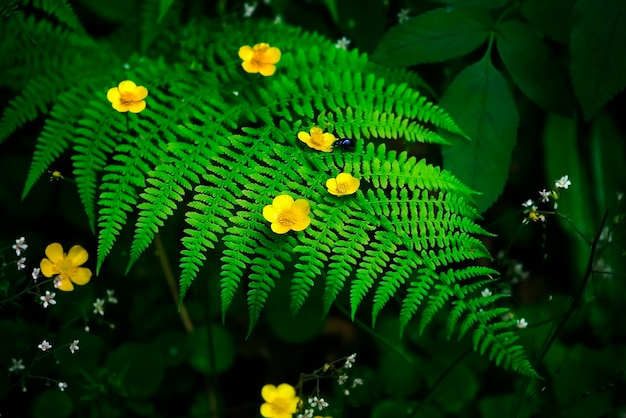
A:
<point x="128" y="96"/>
<point x="318" y="139"/>
<point x="259" y="58"/>
<point x="344" y="184"/>
<point x="280" y="402"/>
<point x="66" y="267"/>
<point x="286" y="215"/>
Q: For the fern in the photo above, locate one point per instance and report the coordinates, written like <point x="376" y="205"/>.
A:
<point x="215" y="145"/>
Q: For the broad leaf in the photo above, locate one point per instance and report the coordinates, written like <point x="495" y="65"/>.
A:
<point x="534" y="68"/>
<point x="598" y="59"/>
<point x="480" y="101"/>
<point x="552" y="17"/>
<point x="434" y="36"/>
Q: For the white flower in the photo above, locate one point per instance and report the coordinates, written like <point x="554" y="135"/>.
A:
<point x="563" y="183"/>
<point x="620" y="196"/>
<point x="278" y="20"/>
<point x="111" y="297"/>
<point x="48" y="299"/>
<point x="74" y="346"/>
<point x="98" y="306"/>
<point x="62" y="386"/>
<point x="343" y="43"/>
<point x="350" y="361"/>
<point x="545" y="195"/>
<point x="45" y="345"/>
<point x="486" y="293"/>
<point x="17" y="365"/>
<point x="248" y="9"/>
<point x="57" y="281"/>
<point x="528" y="203"/>
<point x="357" y="382"/>
<point x="20" y="245"/>
<point x="318" y="403"/>
<point x="36" y="273"/>
<point x="346" y="392"/>
<point x="521" y="323"/>
<point x="342" y="379"/>
<point x="21" y="263"/>
<point x="403" y="16"/>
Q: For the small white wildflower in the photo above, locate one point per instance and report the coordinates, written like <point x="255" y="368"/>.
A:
<point x="545" y="195"/>
<point x="357" y="382"/>
<point x="98" y="306"/>
<point x="235" y="93"/>
<point x="521" y="323"/>
<point x="308" y="413"/>
<point x="606" y="234"/>
<point x="563" y="182"/>
<point x="126" y="66"/>
<point x="62" y="386"/>
<point x="74" y="346"/>
<point x="111" y="297"/>
<point x="519" y="273"/>
<point x="486" y="293"/>
<point x="343" y="43"/>
<point x="278" y="20"/>
<point x="57" y="281"/>
<point x="45" y="345"/>
<point x="318" y="403"/>
<point x="17" y="365"/>
<point x="342" y="379"/>
<point x="36" y="274"/>
<point x="403" y="16"/>
<point x="346" y="392"/>
<point x="48" y="299"/>
<point x="21" y="263"/>
<point x="620" y="196"/>
<point x="350" y="361"/>
<point x="248" y="9"/>
<point x="20" y="245"/>
<point x="528" y="203"/>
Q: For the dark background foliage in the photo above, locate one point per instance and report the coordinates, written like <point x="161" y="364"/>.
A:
<point x="558" y="66"/>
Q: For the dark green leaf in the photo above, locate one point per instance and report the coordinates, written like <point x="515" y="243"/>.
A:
<point x="598" y="58"/>
<point x="550" y="17"/>
<point x="480" y="101"/>
<point x="434" y="36"/>
<point x="534" y="68"/>
<point x="489" y="4"/>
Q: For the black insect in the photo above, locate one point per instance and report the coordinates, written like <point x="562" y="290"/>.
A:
<point x="344" y="144"/>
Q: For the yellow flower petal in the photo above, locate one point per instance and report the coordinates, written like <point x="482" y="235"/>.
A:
<point x="120" y="107"/>
<point x="270" y="213"/>
<point x="54" y="252"/>
<point x="267" y="69"/>
<point x="249" y="67"/>
<point x="268" y="392"/>
<point x="141" y="93"/>
<point x="77" y="255"/>
<point x="304" y="137"/>
<point x="301" y="208"/>
<point x="81" y="276"/>
<point x="127" y="86"/>
<point x="279" y="228"/>
<point x="246" y="53"/>
<point x="65" y="284"/>
<point x="282" y="202"/>
<point x="272" y="55"/>
<point x="301" y="224"/>
<point x="137" y="107"/>
<point x="48" y="269"/>
<point x="113" y="95"/>
<point x="331" y="185"/>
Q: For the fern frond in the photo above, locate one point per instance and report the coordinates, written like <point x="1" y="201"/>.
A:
<point x="61" y="10"/>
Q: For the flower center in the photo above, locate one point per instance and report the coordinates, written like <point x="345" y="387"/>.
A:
<point x="342" y="187"/>
<point x="280" y="406"/>
<point x="285" y="218"/>
<point x="127" y="98"/>
<point x="66" y="268"/>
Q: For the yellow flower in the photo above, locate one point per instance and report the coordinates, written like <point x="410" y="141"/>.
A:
<point x="318" y="139"/>
<point x="259" y="58"/>
<point x="343" y="185"/>
<point x="280" y="402"/>
<point x="66" y="266"/>
<point x="128" y="96"/>
<point x="285" y="214"/>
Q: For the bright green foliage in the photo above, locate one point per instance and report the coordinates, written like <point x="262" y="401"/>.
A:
<point x="215" y="145"/>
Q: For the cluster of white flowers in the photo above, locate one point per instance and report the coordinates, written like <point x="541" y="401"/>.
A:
<point x="531" y="207"/>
